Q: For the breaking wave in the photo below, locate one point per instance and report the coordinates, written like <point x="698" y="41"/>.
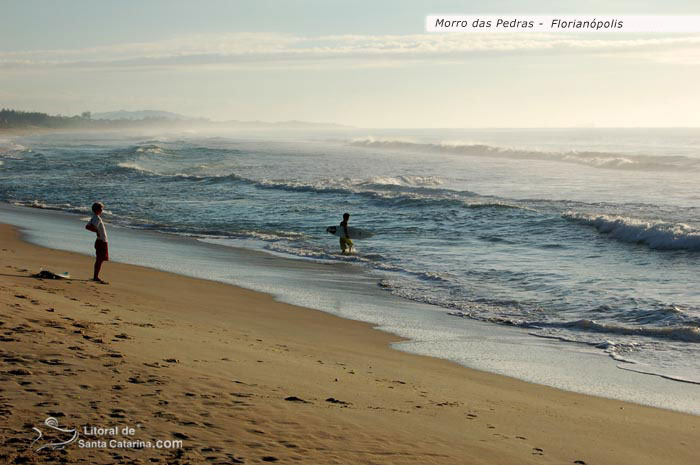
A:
<point x="12" y="150"/>
<point x="405" y="190"/>
<point x="403" y="181"/>
<point x="607" y="160"/>
<point x="151" y="148"/>
<point x="65" y="207"/>
<point x="657" y="235"/>
<point x="674" y="333"/>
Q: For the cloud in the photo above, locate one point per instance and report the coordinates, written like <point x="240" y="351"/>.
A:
<point x="681" y="55"/>
<point x="266" y="50"/>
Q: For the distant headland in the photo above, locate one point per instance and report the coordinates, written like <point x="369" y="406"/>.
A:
<point x="16" y="120"/>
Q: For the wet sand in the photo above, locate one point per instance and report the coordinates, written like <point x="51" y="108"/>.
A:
<point x="241" y="378"/>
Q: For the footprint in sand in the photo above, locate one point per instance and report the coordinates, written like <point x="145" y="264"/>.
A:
<point x="24" y="329"/>
<point x="234" y="459"/>
<point x="117" y="413"/>
<point x="339" y="402"/>
<point x="19" y="372"/>
<point x="139" y="380"/>
<point x="54" y="325"/>
<point x="46" y="404"/>
<point x="14" y="360"/>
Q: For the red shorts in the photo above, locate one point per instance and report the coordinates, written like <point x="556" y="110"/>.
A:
<point x="101" y="250"/>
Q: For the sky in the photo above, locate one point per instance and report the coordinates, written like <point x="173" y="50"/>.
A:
<point x="361" y="63"/>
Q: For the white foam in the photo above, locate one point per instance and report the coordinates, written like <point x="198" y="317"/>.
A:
<point x="132" y="165"/>
<point x="149" y="150"/>
<point x="683" y="333"/>
<point x="609" y="160"/>
<point x="403" y="181"/>
<point x="67" y="207"/>
<point x="12" y="150"/>
<point x="275" y="236"/>
<point x="679" y="379"/>
<point x="655" y="234"/>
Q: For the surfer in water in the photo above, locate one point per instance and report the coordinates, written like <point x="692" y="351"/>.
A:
<point x="346" y="244"/>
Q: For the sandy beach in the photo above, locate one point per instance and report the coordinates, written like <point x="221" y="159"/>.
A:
<point x="238" y="377"/>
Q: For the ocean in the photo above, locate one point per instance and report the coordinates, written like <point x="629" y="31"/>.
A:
<point x="586" y="237"/>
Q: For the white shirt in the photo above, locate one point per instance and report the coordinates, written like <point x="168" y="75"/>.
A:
<point x="96" y="221"/>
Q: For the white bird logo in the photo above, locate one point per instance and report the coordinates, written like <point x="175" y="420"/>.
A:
<point x="52" y="423"/>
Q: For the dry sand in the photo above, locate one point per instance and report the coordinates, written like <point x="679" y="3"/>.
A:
<point x="241" y="378"/>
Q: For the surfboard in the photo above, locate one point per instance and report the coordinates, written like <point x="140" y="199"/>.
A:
<point x="355" y="233"/>
<point x="46" y="274"/>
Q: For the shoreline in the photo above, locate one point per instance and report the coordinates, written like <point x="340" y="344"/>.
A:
<point x="349" y="292"/>
<point x="240" y="354"/>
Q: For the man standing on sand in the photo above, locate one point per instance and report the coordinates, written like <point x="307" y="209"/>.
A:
<point x="346" y="244"/>
<point x="101" y="249"/>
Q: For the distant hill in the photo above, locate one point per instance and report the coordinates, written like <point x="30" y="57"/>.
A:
<point x="292" y="124"/>
<point x="141" y="114"/>
<point x="15" y="119"/>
